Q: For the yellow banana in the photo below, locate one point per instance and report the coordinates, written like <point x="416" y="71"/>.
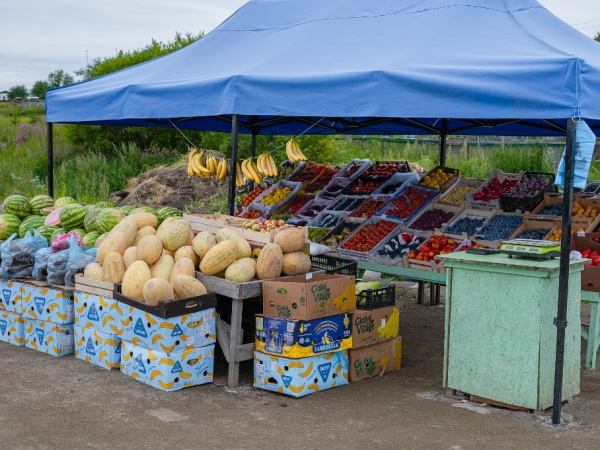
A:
<point x="289" y="151"/>
<point x="259" y="163"/>
<point x="245" y="170"/>
<point x="271" y="162"/>
<point x="199" y="168"/>
<point x="213" y="165"/>
<point x="257" y="175"/>
<point x="223" y="171"/>
<point x="297" y="151"/>
<point x="262" y="163"/>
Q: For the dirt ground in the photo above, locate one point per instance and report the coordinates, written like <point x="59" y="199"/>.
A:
<point x="48" y="402"/>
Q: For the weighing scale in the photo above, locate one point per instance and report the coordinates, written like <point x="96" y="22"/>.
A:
<point x="531" y="248"/>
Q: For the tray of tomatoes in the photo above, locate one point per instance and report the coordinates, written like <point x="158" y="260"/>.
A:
<point x="358" y="245"/>
<point x="408" y="202"/>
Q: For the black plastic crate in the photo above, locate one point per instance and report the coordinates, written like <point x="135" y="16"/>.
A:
<point x="376" y="298"/>
<point x="334" y="265"/>
<point x="549" y="177"/>
<point x="528" y="204"/>
<point x="592" y="187"/>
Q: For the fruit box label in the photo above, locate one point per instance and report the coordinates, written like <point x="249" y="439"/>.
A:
<point x="298" y="339"/>
<point x="376" y="359"/>
<point x="48" y="337"/>
<point x="10" y="296"/>
<point x="48" y="305"/>
<point x="300" y="298"/>
<point x="197" y="329"/>
<point x="12" y="328"/>
<point x="98" y="313"/>
<point x="373" y="326"/>
<point x="300" y="377"/>
<point x="168" y="372"/>
<point x="96" y="347"/>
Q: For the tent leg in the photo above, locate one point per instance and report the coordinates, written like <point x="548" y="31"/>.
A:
<point x="50" y="159"/>
<point x="252" y="154"/>
<point x="235" y="128"/>
<point x="563" y="282"/>
<point x="443" y="135"/>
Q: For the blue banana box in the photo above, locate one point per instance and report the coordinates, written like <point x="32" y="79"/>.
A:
<point x="301" y="338"/>
<point x="300" y="377"/>
<point x="98" y="348"/>
<point x="10" y="296"/>
<point x="168" y="371"/>
<point x="50" y="338"/>
<point x="168" y="335"/>
<point x="97" y="312"/>
<point x="12" y="328"/>
<point x="45" y="303"/>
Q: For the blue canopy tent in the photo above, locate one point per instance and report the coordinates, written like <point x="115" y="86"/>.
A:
<point x="501" y="67"/>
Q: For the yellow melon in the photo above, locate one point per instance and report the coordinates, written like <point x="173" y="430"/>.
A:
<point x="177" y="234"/>
<point x="183" y="266"/>
<point x="113" y="268"/>
<point x="289" y="239"/>
<point x="219" y="257"/>
<point x="143" y="232"/>
<point x="144" y="219"/>
<point x="188" y="252"/>
<point x="270" y="262"/>
<point x="130" y="256"/>
<point x="187" y="287"/>
<point x="149" y="249"/>
<point x="241" y="271"/>
<point x="203" y="242"/>
<point x="295" y="263"/>
<point x="93" y="271"/>
<point x="158" y="290"/>
<point x="134" y="279"/>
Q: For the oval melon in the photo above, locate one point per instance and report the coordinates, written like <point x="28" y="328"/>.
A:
<point x="145" y="231"/>
<point x="270" y="262"/>
<point x="226" y="234"/>
<point x="184" y="266"/>
<point x="188" y="252"/>
<point x="163" y="226"/>
<point x="118" y="240"/>
<point x="295" y="263"/>
<point x="176" y="234"/>
<point x="134" y="280"/>
<point x="186" y="287"/>
<point x="93" y="271"/>
<point x="219" y="257"/>
<point x="144" y="219"/>
<point x="241" y="271"/>
<point x="203" y="242"/>
<point x="157" y="290"/>
<point x="149" y="249"/>
<point x="129" y="256"/>
<point x="113" y="268"/>
<point x="163" y="267"/>
<point x="289" y="239"/>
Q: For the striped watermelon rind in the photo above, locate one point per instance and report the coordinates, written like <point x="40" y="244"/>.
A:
<point x="147" y="209"/>
<point x="64" y="201"/>
<point x="56" y="233"/>
<point x="31" y="222"/>
<point x="168" y="211"/>
<point x="40" y="202"/>
<point x="17" y="205"/>
<point x="47" y="211"/>
<point x="90" y="238"/>
<point x="107" y="219"/>
<point x="126" y="209"/>
<point x="81" y="232"/>
<point x="89" y="222"/>
<point x="104" y="205"/>
<point x="47" y="231"/>
<point x="71" y="216"/>
<point x="9" y="224"/>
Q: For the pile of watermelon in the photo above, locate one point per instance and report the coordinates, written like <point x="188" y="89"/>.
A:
<point x="52" y="218"/>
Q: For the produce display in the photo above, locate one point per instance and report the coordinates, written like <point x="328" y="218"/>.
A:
<point x="401" y="244"/>
<point x="437" y="178"/>
<point x="330" y="220"/>
<point x="588" y="253"/>
<point x="538" y="234"/>
<point x="528" y="187"/>
<point x="499" y="227"/>
<point x="265" y="225"/>
<point x="252" y="195"/>
<point x="434" y="246"/>
<point x="346" y="203"/>
<point x="369" y="207"/>
<point x="314" y="177"/>
<point x="369" y="235"/>
<point x="494" y="189"/>
<point x="467" y="224"/>
<point x="407" y="203"/>
<point x="336" y="238"/>
<point x="584" y="211"/>
<point x="458" y="195"/>
<point x="553" y="210"/>
<point x="316" y="234"/>
<point x="365" y="185"/>
<point x="431" y="219"/>
<point x="387" y="169"/>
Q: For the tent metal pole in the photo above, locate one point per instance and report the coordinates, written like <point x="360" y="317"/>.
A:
<point x="252" y="154"/>
<point x="563" y="282"/>
<point x="443" y="134"/>
<point x="50" y="136"/>
<point x="235" y="128"/>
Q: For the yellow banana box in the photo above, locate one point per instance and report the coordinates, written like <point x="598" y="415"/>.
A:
<point x="375" y="360"/>
<point x="50" y="338"/>
<point x="373" y="326"/>
<point x="12" y="328"/>
<point x="98" y="348"/>
<point x="168" y="335"/>
<point x="47" y="304"/>
<point x="10" y="296"/>
<point x="301" y="338"/>
<point x="300" y="377"/>
<point x="97" y="312"/>
<point x="168" y="371"/>
<point x="309" y="296"/>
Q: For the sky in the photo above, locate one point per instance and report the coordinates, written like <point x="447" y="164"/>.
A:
<point x="38" y="37"/>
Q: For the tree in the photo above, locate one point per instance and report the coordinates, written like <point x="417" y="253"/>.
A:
<point x="597" y="36"/>
<point x="59" y="78"/>
<point x="17" y="91"/>
<point x="39" y="89"/>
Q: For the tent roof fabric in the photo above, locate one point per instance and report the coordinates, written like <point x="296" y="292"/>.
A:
<point x="501" y="67"/>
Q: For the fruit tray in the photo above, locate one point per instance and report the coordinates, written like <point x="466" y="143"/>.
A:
<point x="579" y="225"/>
<point x="457" y="193"/>
<point x="288" y="169"/>
<point x="458" y="228"/>
<point x="550" y="207"/>
<point x="333" y="189"/>
<point x="341" y="231"/>
<point x="385" y="169"/>
<point x="313" y="176"/>
<point x="298" y="202"/>
<point x="327" y="219"/>
<point x="334" y="265"/>
<point x="376" y="298"/>
<point x="592" y="187"/>
<point x="312" y="209"/>
<point x="424" y="258"/>
<point x="396" y="183"/>
<point x="358" y="245"/>
<point x="498" y="228"/>
<point x="267" y="210"/>
<point x="347" y="203"/>
<point x="408" y="202"/>
<point x="522" y="197"/>
<point x="370" y="206"/>
<point x="534" y="229"/>
<point x="433" y="216"/>
<point x="364" y="185"/>
<point x="450" y="176"/>
<point x="248" y="199"/>
<point x="493" y="201"/>
<point x="353" y="169"/>
<point x="392" y="250"/>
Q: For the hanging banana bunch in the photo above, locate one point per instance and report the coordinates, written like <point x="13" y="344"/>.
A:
<point x="222" y="170"/>
<point x="292" y="149"/>
<point x="266" y="165"/>
<point x="196" y="164"/>
<point x="239" y="178"/>
<point x="250" y="170"/>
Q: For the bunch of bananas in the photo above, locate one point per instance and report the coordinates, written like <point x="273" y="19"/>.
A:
<point x="239" y="178"/>
<point x="266" y="165"/>
<point x="392" y="326"/>
<point x="205" y="165"/>
<point x="250" y="170"/>
<point x="292" y="149"/>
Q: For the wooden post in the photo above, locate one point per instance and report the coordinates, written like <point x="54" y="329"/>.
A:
<point x="235" y="128"/>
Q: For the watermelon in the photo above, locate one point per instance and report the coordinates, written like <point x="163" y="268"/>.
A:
<point x="56" y="233"/>
<point x="71" y="216"/>
<point x="47" y="211"/>
<point x="81" y="232"/>
<point x="17" y="205"/>
<point x="147" y="209"/>
<point x="89" y="222"/>
<point x="107" y="219"/>
<point x="9" y="224"/>
<point x="31" y="222"/>
<point x="39" y="202"/>
<point x="54" y="217"/>
<point x="168" y="211"/>
<point x="126" y="209"/>
<point x="89" y="208"/>
<point x="47" y="231"/>
<point x="104" y="205"/>
<point x="64" y="201"/>
<point x="90" y="238"/>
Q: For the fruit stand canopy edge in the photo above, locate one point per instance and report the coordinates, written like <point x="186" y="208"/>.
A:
<point x="502" y="67"/>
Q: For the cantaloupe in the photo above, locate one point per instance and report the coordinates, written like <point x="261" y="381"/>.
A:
<point x="143" y="219"/>
<point x="176" y="235"/>
<point x="295" y="263"/>
<point x="149" y="249"/>
<point x="289" y="239"/>
<point x="226" y="234"/>
<point x="219" y="257"/>
<point x="134" y="279"/>
<point x="241" y="271"/>
<point x="163" y="226"/>
<point x="163" y="267"/>
<point x="93" y="271"/>
<point x="183" y="266"/>
<point x="188" y="252"/>
<point x="203" y="242"/>
<point x="186" y="286"/>
<point x="113" y="268"/>
<point x="145" y="231"/>
<point x="118" y="240"/>
<point x="130" y="256"/>
<point x="270" y="262"/>
<point x="158" y="290"/>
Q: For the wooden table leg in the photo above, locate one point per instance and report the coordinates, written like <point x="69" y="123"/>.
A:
<point x="431" y="294"/>
<point x="593" y="340"/>
<point x="421" y="292"/>
<point x="235" y="340"/>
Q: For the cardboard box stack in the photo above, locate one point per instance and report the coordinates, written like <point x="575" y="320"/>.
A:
<point x="303" y="336"/>
<point x="12" y="326"/>
<point x="96" y="329"/>
<point x="376" y="344"/>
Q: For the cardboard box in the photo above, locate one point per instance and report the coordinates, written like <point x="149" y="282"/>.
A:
<point x="168" y="371"/>
<point x="167" y="335"/>
<point x="309" y="296"/>
<point x="376" y="359"/>
<point x="298" y="338"/>
<point x="10" y="296"/>
<point x="369" y="327"/>
<point x="97" y="312"/>
<point x="50" y="338"/>
<point x="97" y="347"/>
<point x="300" y="377"/>
<point x="12" y="328"/>
<point x="48" y="304"/>
<point x="590" y="276"/>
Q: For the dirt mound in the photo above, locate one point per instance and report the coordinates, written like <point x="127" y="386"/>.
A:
<point x="171" y="186"/>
